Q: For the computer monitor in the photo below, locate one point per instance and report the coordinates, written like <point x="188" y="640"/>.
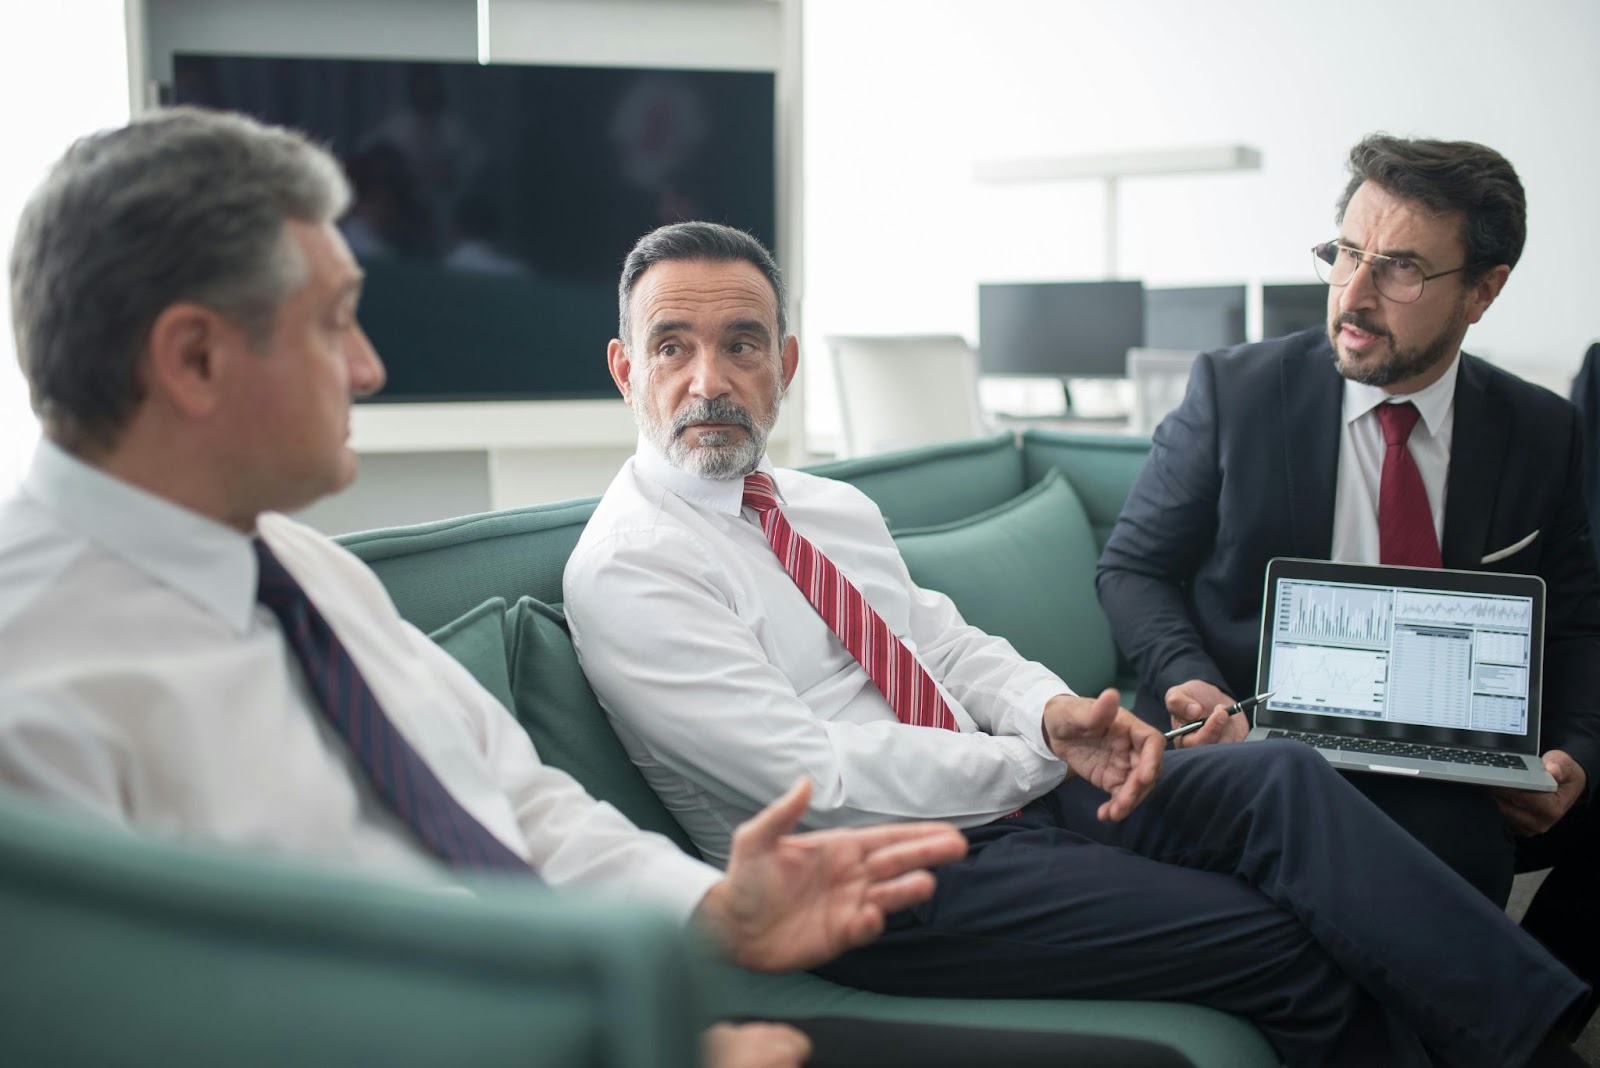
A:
<point x="1286" y="309"/>
<point x="1059" y="329"/>
<point x="1198" y="318"/>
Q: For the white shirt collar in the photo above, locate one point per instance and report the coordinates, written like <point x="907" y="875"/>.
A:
<point x="725" y="495"/>
<point x="211" y="564"/>
<point x="1433" y="403"/>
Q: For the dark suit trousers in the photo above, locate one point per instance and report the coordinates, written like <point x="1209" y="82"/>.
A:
<point x="1253" y="879"/>
<point x="1462" y="826"/>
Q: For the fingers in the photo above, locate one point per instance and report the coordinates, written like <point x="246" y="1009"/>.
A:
<point x="1144" y="767"/>
<point x="931" y="846"/>
<point x="901" y="892"/>
<point x="754" y="1045"/>
<point x="776" y="820"/>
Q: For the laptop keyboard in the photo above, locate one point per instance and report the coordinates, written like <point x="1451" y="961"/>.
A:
<point x="1414" y="750"/>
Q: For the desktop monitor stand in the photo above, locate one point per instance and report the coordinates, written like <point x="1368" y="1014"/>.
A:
<point x="1089" y="400"/>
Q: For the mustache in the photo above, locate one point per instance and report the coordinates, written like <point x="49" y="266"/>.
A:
<point x="1360" y="322"/>
<point x="718" y="410"/>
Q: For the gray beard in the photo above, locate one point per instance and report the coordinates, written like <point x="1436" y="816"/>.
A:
<point x="1401" y="365"/>
<point x="718" y="456"/>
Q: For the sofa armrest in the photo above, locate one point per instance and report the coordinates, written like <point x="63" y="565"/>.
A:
<point x="122" y="950"/>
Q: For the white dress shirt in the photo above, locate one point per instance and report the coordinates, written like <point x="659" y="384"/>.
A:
<point x="1361" y="451"/>
<point x="147" y="685"/>
<point x="725" y="685"/>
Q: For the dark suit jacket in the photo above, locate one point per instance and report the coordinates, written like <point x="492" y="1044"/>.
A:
<point x="1244" y="470"/>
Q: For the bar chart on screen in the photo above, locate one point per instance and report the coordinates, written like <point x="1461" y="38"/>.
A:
<point x="1345" y="615"/>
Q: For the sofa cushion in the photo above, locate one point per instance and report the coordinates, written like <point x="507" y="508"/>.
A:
<point x="1025" y="571"/>
<point x="478" y="641"/>
<point x="1100" y="467"/>
<point x="568" y="727"/>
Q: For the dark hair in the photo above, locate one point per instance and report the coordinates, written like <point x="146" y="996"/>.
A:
<point x="680" y="242"/>
<point x="185" y="205"/>
<point x="1450" y="176"/>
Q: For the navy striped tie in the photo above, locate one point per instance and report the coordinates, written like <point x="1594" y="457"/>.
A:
<point x="402" y="779"/>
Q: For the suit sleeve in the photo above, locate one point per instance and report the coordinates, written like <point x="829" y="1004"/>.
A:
<point x="1166" y="528"/>
<point x="1571" y="572"/>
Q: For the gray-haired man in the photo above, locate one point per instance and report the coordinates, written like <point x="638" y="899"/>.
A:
<point x="185" y="316"/>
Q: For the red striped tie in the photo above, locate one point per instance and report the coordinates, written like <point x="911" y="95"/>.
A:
<point x="1405" y="520"/>
<point x="905" y="683"/>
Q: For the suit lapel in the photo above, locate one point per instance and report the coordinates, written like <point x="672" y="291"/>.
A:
<point x="1477" y="457"/>
<point x="1313" y="393"/>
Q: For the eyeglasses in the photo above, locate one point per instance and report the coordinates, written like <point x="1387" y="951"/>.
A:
<point x="1397" y="278"/>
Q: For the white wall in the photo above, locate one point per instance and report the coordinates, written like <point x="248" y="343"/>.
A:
<point x="904" y="96"/>
<point x="62" y="74"/>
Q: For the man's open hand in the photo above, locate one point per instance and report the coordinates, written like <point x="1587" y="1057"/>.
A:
<point x="793" y="901"/>
<point x="1108" y="745"/>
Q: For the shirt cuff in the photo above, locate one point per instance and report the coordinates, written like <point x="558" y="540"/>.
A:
<point x="676" y="884"/>
<point x="1028" y="719"/>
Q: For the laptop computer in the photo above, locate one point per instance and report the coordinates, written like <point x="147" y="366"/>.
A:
<point x="1404" y="670"/>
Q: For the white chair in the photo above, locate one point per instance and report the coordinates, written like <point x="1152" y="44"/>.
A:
<point x="1159" y="378"/>
<point x="896" y="392"/>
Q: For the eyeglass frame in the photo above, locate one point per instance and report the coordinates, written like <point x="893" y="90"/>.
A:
<point x="1368" y="259"/>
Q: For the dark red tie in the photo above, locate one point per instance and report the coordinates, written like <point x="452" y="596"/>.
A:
<point x="905" y="683"/>
<point x="1405" y="520"/>
<point x="402" y="779"/>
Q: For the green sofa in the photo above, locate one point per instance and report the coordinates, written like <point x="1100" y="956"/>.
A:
<point x="124" y="950"/>
<point x="1008" y="526"/>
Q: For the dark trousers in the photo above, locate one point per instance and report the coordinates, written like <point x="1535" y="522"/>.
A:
<point x="1254" y="879"/>
<point x="853" y="1042"/>
<point x="1462" y="826"/>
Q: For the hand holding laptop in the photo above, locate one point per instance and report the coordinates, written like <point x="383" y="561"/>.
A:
<point x="1527" y="812"/>
<point x="1189" y="701"/>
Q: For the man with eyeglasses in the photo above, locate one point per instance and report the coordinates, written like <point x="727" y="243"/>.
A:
<point x="1280" y="449"/>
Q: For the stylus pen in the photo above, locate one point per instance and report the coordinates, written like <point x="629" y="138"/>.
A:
<point x="1193" y="725"/>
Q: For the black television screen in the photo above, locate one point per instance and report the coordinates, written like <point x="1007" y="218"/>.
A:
<point x="1199" y="318"/>
<point x="1060" y="329"/>
<point x="1287" y="309"/>
<point x="494" y="204"/>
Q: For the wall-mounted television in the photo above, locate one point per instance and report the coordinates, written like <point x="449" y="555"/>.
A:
<point x="494" y="204"/>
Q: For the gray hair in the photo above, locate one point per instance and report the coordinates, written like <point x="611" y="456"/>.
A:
<point x="183" y="205"/>
<point x="686" y="241"/>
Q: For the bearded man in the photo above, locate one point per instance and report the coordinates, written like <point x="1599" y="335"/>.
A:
<point x="1294" y="446"/>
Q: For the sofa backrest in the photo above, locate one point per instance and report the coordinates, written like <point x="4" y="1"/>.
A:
<point x="437" y="572"/>
<point x="935" y="484"/>
<point x="1101" y="468"/>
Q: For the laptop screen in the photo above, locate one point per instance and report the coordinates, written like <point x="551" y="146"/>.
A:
<point x="1398" y="648"/>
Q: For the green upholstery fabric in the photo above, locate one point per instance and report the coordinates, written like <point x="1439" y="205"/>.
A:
<point x="124" y="950"/>
<point x="1101" y="467"/>
<point x="1024" y="570"/>
<point x="478" y="641"/>
<point x="438" y="571"/>
<point x="935" y="483"/>
<point x="569" y="728"/>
